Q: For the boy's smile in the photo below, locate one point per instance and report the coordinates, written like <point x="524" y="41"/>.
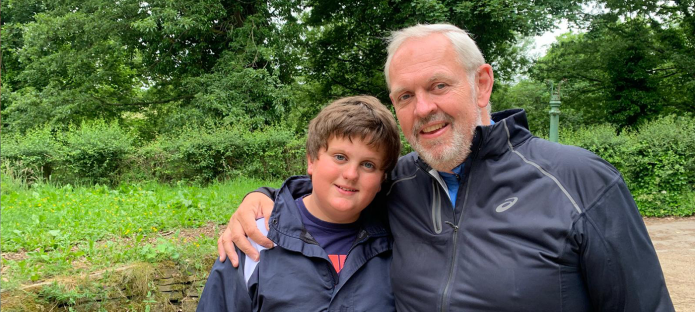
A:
<point x="345" y="178"/>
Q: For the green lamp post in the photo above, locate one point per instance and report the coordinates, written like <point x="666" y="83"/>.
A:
<point x="554" y="112"/>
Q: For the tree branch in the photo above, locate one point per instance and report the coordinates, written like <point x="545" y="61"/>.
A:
<point x="184" y="97"/>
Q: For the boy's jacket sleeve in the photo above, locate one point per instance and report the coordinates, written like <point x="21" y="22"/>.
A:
<point x="225" y="289"/>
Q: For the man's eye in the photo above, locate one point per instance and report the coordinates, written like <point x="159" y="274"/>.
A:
<point x="340" y="157"/>
<point x="405" y="97"/>
<point x="440" y="86"/>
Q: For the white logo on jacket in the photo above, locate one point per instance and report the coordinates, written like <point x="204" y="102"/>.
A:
<point x="508" y="203"/>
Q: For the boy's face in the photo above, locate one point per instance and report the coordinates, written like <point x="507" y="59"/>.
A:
<point x="346" y="176"/>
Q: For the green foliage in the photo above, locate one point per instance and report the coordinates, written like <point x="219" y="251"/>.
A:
<point x="63" y="296"/>
<point x="72" y="61"/>
<point x="664" y="162"/>
<point x="51" y="218"/>
<point x="634" y="63"/>
<point x="343" y="44"/>
<point x="69" y="230"/>
<point x="95" y="151"/>
<point x="185" y="63"/>
<point x="657" y="162"/>
<point x="603" y="141"/>
<point x="31" y="156"/>
<point x="533" y="97"/>
<point x="208" y="153"/>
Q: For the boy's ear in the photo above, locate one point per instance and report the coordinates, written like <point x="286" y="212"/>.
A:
<point x="309" y="165"/>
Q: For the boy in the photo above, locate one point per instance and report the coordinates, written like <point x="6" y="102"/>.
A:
<point x="332" y="252"/>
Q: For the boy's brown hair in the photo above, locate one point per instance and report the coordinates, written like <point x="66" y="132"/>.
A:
<point x="362" y="117"/>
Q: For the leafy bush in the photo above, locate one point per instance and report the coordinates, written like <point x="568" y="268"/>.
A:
<point x="663" y="168"/>
<point x="603" y="141"/>
<point x="657" y="162"/>
<point x="31" y="156"/>
<point x="95" y="151"/>
<point x="210" y="153"/>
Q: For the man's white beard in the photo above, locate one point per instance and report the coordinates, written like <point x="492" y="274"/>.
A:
<point x="458" y="148"/>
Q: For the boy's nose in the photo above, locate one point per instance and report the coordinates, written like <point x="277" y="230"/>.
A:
<point x="350" y="172"/>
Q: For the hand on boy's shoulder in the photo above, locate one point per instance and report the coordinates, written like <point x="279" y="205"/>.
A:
<point x="249" y="263"/>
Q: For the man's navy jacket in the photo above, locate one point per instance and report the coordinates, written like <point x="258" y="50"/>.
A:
<point x="537" y="226"/>
<point x="297" y="274"/>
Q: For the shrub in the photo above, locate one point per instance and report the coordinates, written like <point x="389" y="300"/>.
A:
<point x="601" y="140"/>
<point x="95" y="151"/>
<point x="662" y="166"/>
<point x="31" y="156"/>
<point x="204" y="154"/>
<point x="657" y="162"/>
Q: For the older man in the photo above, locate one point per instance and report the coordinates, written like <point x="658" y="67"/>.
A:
<point x="487" y="217"/>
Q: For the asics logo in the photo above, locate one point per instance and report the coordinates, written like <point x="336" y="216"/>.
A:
<point x="508" y="203"/>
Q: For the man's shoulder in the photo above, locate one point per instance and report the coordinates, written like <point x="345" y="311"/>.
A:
<point x="406" y="166"/>
<point x="567" y="157"/>
<point x="584" y="174"/>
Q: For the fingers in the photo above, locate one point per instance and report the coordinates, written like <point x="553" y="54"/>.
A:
<point x="248" y="227"/>
<point x="220" y="250"/>
<point x="239" y="239"/>
<point x="225" y="248"/>
<point x="266" y="207"/>
<point x="246" y="217"/>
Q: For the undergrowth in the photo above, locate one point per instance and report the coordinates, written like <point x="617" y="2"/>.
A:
<point x="51" y="232"/>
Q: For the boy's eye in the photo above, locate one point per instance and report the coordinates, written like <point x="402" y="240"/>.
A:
<point x="369" y="165"/>
<point x="339" y="157"/>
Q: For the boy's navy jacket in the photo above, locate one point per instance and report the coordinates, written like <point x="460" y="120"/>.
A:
<point x="297" y="275"/>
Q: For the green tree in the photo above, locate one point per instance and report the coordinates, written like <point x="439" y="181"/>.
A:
<point x="170" y="62"/>
<point x="343" y="41"/>
<point x="634" y="63"/>
<point x="162" y="64"/>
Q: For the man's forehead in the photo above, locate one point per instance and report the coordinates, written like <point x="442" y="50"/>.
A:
<point x="426" y="43"/>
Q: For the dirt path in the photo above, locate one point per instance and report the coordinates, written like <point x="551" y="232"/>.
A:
<point x="674" y="240"/>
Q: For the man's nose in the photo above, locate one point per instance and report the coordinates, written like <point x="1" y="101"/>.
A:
<point x="350" y="172"/>
<point x="424" y="106"/>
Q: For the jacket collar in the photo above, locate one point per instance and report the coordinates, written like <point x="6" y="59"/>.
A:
<point x="286" y="226"/>
<point x="511" y="127"/>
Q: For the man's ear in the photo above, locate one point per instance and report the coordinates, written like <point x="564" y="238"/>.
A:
<point x="309" y="165"/>
<point x="484" y="81"/>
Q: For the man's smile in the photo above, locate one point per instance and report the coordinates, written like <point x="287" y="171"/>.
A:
<point x="433" y="128"/>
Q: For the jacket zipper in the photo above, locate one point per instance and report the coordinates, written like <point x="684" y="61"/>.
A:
<point x="312" y="241"/>
<point x="456" y="229"/>
<point x="451" y="268"/>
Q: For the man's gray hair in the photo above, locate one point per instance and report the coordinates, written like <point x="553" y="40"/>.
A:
<point x="469" y="56"/>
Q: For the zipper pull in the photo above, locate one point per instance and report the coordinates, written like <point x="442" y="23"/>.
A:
<point x="456" y="227"/>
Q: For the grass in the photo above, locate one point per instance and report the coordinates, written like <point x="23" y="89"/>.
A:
<point x="49" y="232"/>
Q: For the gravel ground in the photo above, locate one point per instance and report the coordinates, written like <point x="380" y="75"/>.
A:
<point x="674" y="240"/>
